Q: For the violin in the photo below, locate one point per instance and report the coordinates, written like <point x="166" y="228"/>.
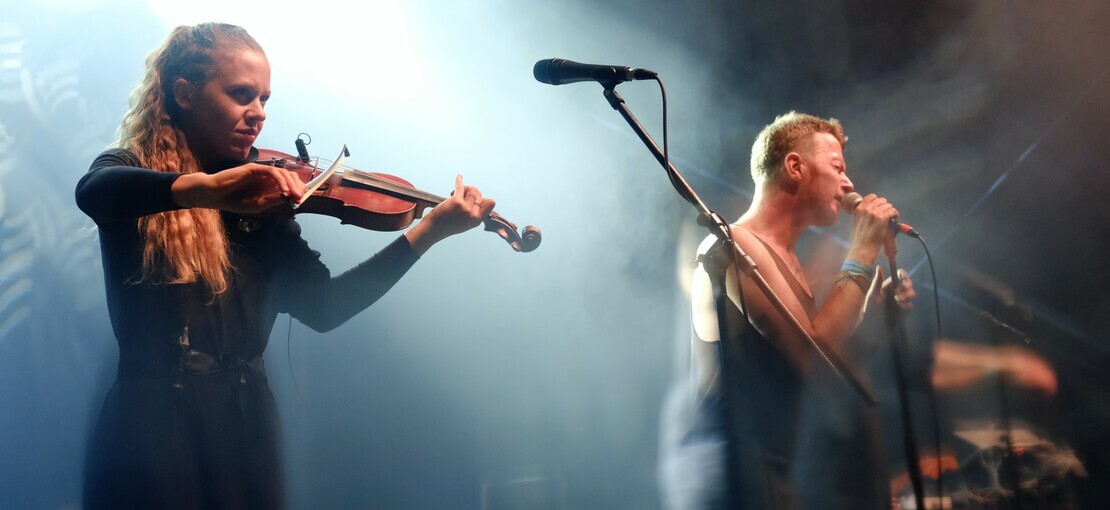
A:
<point x="379" y="201"/>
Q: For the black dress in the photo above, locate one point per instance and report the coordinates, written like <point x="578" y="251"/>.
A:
<point x="190" y="421"/>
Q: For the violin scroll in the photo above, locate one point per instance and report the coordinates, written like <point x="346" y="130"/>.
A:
<point x="523" y="242"/>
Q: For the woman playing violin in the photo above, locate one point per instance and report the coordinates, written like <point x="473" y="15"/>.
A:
<point x="193" y="293"/>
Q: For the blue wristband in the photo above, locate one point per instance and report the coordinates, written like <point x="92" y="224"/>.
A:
<point x="856" y="267"/>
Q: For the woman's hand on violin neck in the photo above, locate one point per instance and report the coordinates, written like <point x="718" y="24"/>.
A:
<point x="247" y="189"/>
<point x="463" y="211"/>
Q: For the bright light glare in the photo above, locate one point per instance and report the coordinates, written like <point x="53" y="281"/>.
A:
<point x="371" y="52"/>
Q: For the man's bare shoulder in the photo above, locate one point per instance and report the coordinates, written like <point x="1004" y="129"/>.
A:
<point x="748" y="243"/>
<point x="744" y="237"/>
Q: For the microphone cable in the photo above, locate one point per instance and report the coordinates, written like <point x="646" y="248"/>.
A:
<point x="666" y="142"/>
<point x="667" y="150"/>
<point x="930" y="392"/>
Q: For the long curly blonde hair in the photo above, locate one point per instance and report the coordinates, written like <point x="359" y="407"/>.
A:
<point x="187" y="245"/>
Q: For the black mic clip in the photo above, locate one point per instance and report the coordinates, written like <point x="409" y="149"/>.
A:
<point x="712" y="219"/>
<point x="302" y="151"/>
<point x="614" y="75"/>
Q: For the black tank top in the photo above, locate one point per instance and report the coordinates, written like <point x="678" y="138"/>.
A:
<point x="758" y="407"/>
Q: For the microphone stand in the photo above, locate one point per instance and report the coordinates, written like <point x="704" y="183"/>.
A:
<point x="719" y="227"/>
<point x="1011" y="469"/>
<point x="898" y="336"/>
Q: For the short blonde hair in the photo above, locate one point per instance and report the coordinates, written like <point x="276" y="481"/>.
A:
<point x="788" y="133"/>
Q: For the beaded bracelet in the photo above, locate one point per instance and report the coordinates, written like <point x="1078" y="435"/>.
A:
<point x="859" y="279"/>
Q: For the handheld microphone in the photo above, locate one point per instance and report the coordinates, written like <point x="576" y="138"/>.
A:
<point x="557" y="71"/>
<point x="851" y="200"/>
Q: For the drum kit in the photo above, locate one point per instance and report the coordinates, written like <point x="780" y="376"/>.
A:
<point x="1014" y="469"/>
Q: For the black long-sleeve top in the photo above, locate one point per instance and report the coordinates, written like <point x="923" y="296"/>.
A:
<point x="274" y="270"/>
<point x="175" y="436"/>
